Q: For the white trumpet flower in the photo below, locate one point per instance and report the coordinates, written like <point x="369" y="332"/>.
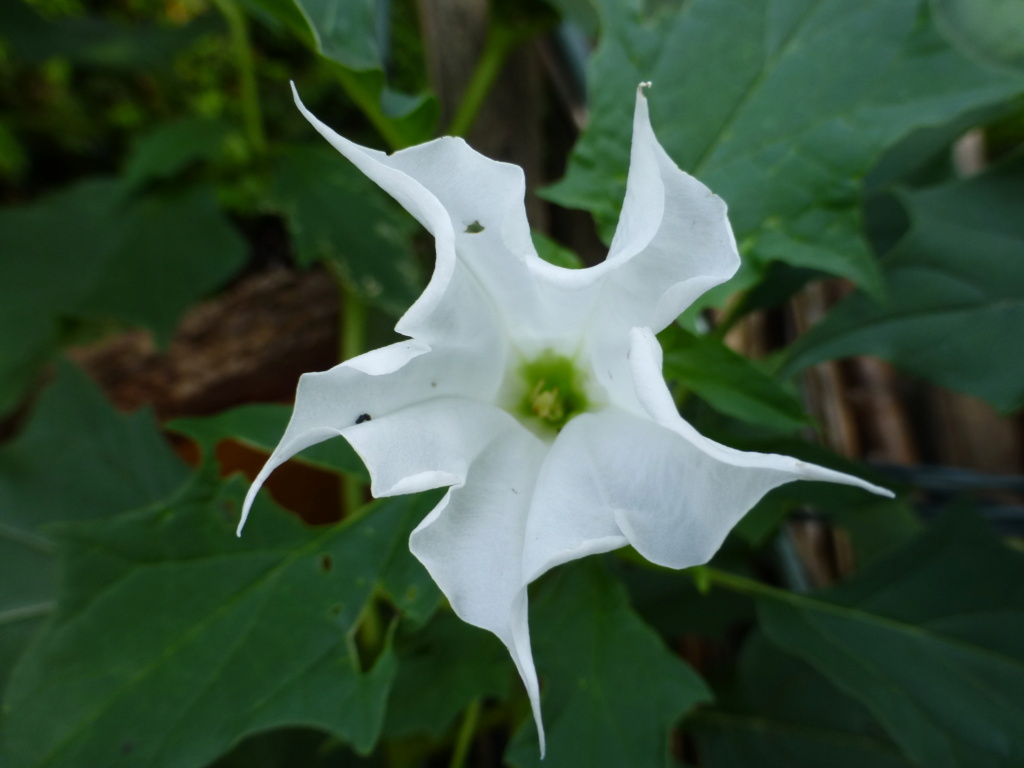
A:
<point x="535" y="393"/>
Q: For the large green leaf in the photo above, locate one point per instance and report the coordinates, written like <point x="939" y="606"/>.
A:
<point x="169" y="149"/>
<point x="171" y="251"/>
<point x="77" y="459"/>
<point x="729" y="382"/>
<point x="955" y="294"/>
<point x="441" y="669"/>
<point x="337" y="216"/>
<point x="779" y="106"/>
<point x="173" y="639"/>
<point x="928" y="642"/>
<point x="783" y="714"/>
<point x="93" y="250"/>
<point x="613" y="690"/>
<point x="990" y="30"/>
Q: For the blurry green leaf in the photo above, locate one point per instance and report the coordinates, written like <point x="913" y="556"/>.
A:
<point x="928" y="641"/>
<point x="260" y="426"/>
<point x="785" y="715"/>
<point x="612" y="689"/>
<point x="553" y="252"/>
<point x="174" y="639"/>
<point x="77" y="459"/>
<point x="991" y="31"/>
<point x="53" y="253"/>
<point x="92" y="250"/>
<point x="781" y="117"/>
<point x="172" y="250"/>
<point x="347" y="34"/>
<point x="583" y="13"/>
<point x="729" y="382"/>
<point x="441" y="669"/>
<point x="674" y="606"/>
<point x="171" y="148"/>
<point x="294" y="748"/>
<point x="339" y="217"/>
<point x="875" y="526"/>
<point x="14" y="162"/>
<point x="955" y="287"/>
<point x="93" y="41"/>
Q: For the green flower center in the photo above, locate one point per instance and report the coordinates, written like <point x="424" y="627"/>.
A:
<point x="551" y="392"/>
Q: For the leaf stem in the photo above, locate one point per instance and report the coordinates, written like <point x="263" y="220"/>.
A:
<point x="467" y="730"/>
<point x="500" y="42"/>
<point x="241" y="46"/>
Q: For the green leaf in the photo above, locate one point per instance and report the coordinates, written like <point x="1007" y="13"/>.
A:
<point x="441" y="669"/>
<point x="988" y="30"/>
<point x="92" y="250"/>
<point x="928" y="642"/>
<point x="174" y="639"/>
<point x="53" y="252"/>
<point x="169" y="149"/>
<point x="95" y="42"/>
<point x="729" y="382"/>
<point x="77" y="459"/>
<point x="347" y="34"/>
<point x="339" y="217"/>
<point x="955" y="287"/>
<point x="783" y="714"/>
<point x="260" y="426"/>
<point x="171" y="251"/>
<point x="782" y="117"/>
<point x="612" y="689"/>
<point x="553" y="252"/>
<point x="286" y="747"/>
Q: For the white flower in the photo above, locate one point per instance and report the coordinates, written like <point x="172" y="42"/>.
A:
<point x="534" y="392"/>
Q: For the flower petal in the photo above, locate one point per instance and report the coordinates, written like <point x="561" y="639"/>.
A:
<point x="565" y="521"/>
<point x="426" y="445"/>
<point x="375" y="385"/>
<point x="673" y="241"/>
<point x="709" y="486"/>
<point x="473" y="206"/>
<point x="672" y="244"/>
<point x="472" y="545"/>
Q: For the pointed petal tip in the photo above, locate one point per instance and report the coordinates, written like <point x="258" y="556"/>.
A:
<point x="250" y="497"/>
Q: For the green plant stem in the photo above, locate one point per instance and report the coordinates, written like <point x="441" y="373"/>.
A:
<point x="467" y="730"/>
<point x="353" y="343"/>
<point x="500" y="42"/>
<point x="369" y="104"/>
<point x="705" y="575"/>
<point x="241" y="46"/>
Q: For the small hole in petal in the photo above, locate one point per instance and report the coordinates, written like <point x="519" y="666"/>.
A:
<point x="475" y="228"/>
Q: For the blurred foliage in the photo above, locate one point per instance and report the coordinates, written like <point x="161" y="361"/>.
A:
<point x="140" y="142"/>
